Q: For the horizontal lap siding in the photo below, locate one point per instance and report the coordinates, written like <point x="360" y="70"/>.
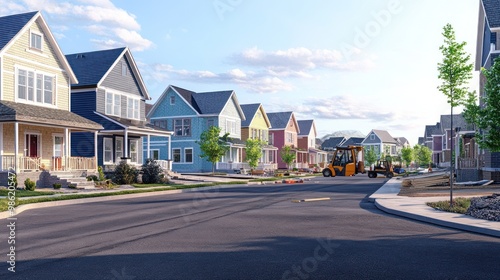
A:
<point x="46" y="62"/>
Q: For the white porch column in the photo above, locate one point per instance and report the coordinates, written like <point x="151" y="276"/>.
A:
<point x="148" y="155"/>
<point x="169" y="158"/>
<point x="16" y="147"/>
<point x="95" y="150"/>
<point x="66" y="149"/>
<point x="126" y="142"/>
<point x="1" y="146"/>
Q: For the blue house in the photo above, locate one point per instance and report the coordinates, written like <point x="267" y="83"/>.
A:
<point x="188" y="114"/>
<point x="112" y="93"/>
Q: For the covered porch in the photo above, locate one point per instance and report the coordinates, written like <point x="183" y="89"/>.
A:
<point x="36" y="138"/>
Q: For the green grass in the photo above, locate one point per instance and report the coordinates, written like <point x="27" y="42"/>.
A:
<point x="25" y="193"/>
<point x="4" y="205"/>
<point x="460" y="205"/>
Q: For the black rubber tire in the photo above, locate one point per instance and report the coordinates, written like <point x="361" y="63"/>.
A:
<point x="327" y="173"/>
<point x="389" y="175"/>
<point x="372" y="174"/>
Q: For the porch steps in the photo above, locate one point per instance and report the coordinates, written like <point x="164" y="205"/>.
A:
<point x="72" y="178"/>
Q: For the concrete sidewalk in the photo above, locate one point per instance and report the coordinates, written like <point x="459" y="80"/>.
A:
<point x="386" y="199"/>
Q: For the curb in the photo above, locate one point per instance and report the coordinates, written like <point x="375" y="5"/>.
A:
<point x="24" y="207"/>
<point x="439" y="222"/>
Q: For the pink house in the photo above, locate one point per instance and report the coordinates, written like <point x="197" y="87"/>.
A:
<point x="284" y="132"/>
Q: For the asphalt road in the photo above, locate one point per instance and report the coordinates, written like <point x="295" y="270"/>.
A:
<point x="245" y="232"/>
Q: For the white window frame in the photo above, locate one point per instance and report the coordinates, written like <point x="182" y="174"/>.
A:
<point x="152" y="152"/>
<point x="32" y="46"/>
<point x="172" y="100"/>
<point x="174" y="150"/>
<point x="133" y="108"/>
<point x="372" y="136"/>
<point x="289" y="137"/>
<point x="118" y="148"/>
<point x="54" y="136"/>
<point x="104" y="150"/>
<point x="38" y="92"/>
<point x="231" y="127"/>
<point x="185" y="155"/>
<point x="113" y="108"/>
<point x="136" y="152"/>
<point x="182" y="127"/>
<point x="124" y="68"/>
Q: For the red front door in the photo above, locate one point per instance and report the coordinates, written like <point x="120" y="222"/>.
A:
<point x="32" y="145"/>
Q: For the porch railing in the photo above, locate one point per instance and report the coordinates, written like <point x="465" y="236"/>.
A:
<point x="56" y="163"/>
<point x="164" y="164"/>
<point x="80" y="163"/>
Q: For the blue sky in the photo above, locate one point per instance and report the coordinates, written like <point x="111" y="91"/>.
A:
<point x="349" y="65"/>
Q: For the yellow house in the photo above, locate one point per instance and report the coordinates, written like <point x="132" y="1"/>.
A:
<point x="35" y="117"/>
<point x="256" y="126"/>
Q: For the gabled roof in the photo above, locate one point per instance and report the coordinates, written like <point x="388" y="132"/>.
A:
<point x="384" y="136"/>
<point x="458" y="121"/>
<point x="402" y="140"/>
<point x="203" y="103"/>
<point x="432" y="130"/>
<point x="333" y="142"/>
<point x="305" y="127"/>
<point x="352" y="141"/>
<point x="93" y="67"/>
<point x="492" y="10"/>
<point x="280" y="120"/>
<point x="250" y="110"/>
<point x="12" y="26"/>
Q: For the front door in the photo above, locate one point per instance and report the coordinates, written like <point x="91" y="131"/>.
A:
<point x="32" y="145"/>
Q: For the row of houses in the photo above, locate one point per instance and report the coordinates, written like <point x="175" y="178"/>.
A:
<point x="470" y="161"/>
<point x="63" y="115"/>
<point x="188" y="114"/>
<point x="377" y="140"/>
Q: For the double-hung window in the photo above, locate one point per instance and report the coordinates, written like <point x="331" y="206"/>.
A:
<point x="176" y="154"/>
<point x="133" y="108"/>
<point x="113" y="104"/>
<point x="108" y="150"/>
<point x="35" y="41"/>
<point x="188" y="155"/>
<point x="182" y="127"/>
<point x="134" y="151"/>
<point x="35" y="87"/>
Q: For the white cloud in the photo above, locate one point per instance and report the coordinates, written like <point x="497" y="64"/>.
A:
<point x="117" y="26"/>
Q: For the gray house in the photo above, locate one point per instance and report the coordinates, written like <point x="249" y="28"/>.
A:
<point x="381" y="142"/>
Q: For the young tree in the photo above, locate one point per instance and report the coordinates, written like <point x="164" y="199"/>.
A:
<point x="212" y="146"/>
<point x="455" y="72"/>
<point x="407" y="155"/>
<point x="370" y="156"/>
<point x="422" y="154"/>
<point x="287" y="155"/>
<point x="253" y="152"/>
<point x="487" y="117"/>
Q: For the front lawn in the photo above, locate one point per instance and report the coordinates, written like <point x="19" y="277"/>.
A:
<point x="25" y="193"/>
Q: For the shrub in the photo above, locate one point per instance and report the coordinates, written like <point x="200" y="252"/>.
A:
<point x="101" y="174"/>
<point x="29" y="185"/>
<point x="56" y="186"/>
<point x="92" y="178"/>
<point x="151" y="172"/>
<point x="125" y="174"/>
<point x="72" y="186"/>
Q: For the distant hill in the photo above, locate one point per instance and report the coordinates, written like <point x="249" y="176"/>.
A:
<point x="344" y="133"/>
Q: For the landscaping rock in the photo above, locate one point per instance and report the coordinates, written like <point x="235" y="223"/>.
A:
<point x="486" y="207"/>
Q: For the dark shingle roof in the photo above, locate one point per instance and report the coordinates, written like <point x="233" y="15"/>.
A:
<point x="458" y="121"/>
<point x="11" y="25"/>
<point x="432" y="130"/>
<point x="353" y="141"/>
<point x="249" y="110"/>
<point x="188" y="96"/>
<point x="492" y="9"/>
<point x="12" y="111"/>
<point x="305" y="126"/>
<point x="212" y="102"/>
<point x="332" y="143"/>
<point x="90" y="67"/>
<point x="279" y="120"/>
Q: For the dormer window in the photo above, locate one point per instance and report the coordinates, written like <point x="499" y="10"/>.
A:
<point x="36" y="41"/>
